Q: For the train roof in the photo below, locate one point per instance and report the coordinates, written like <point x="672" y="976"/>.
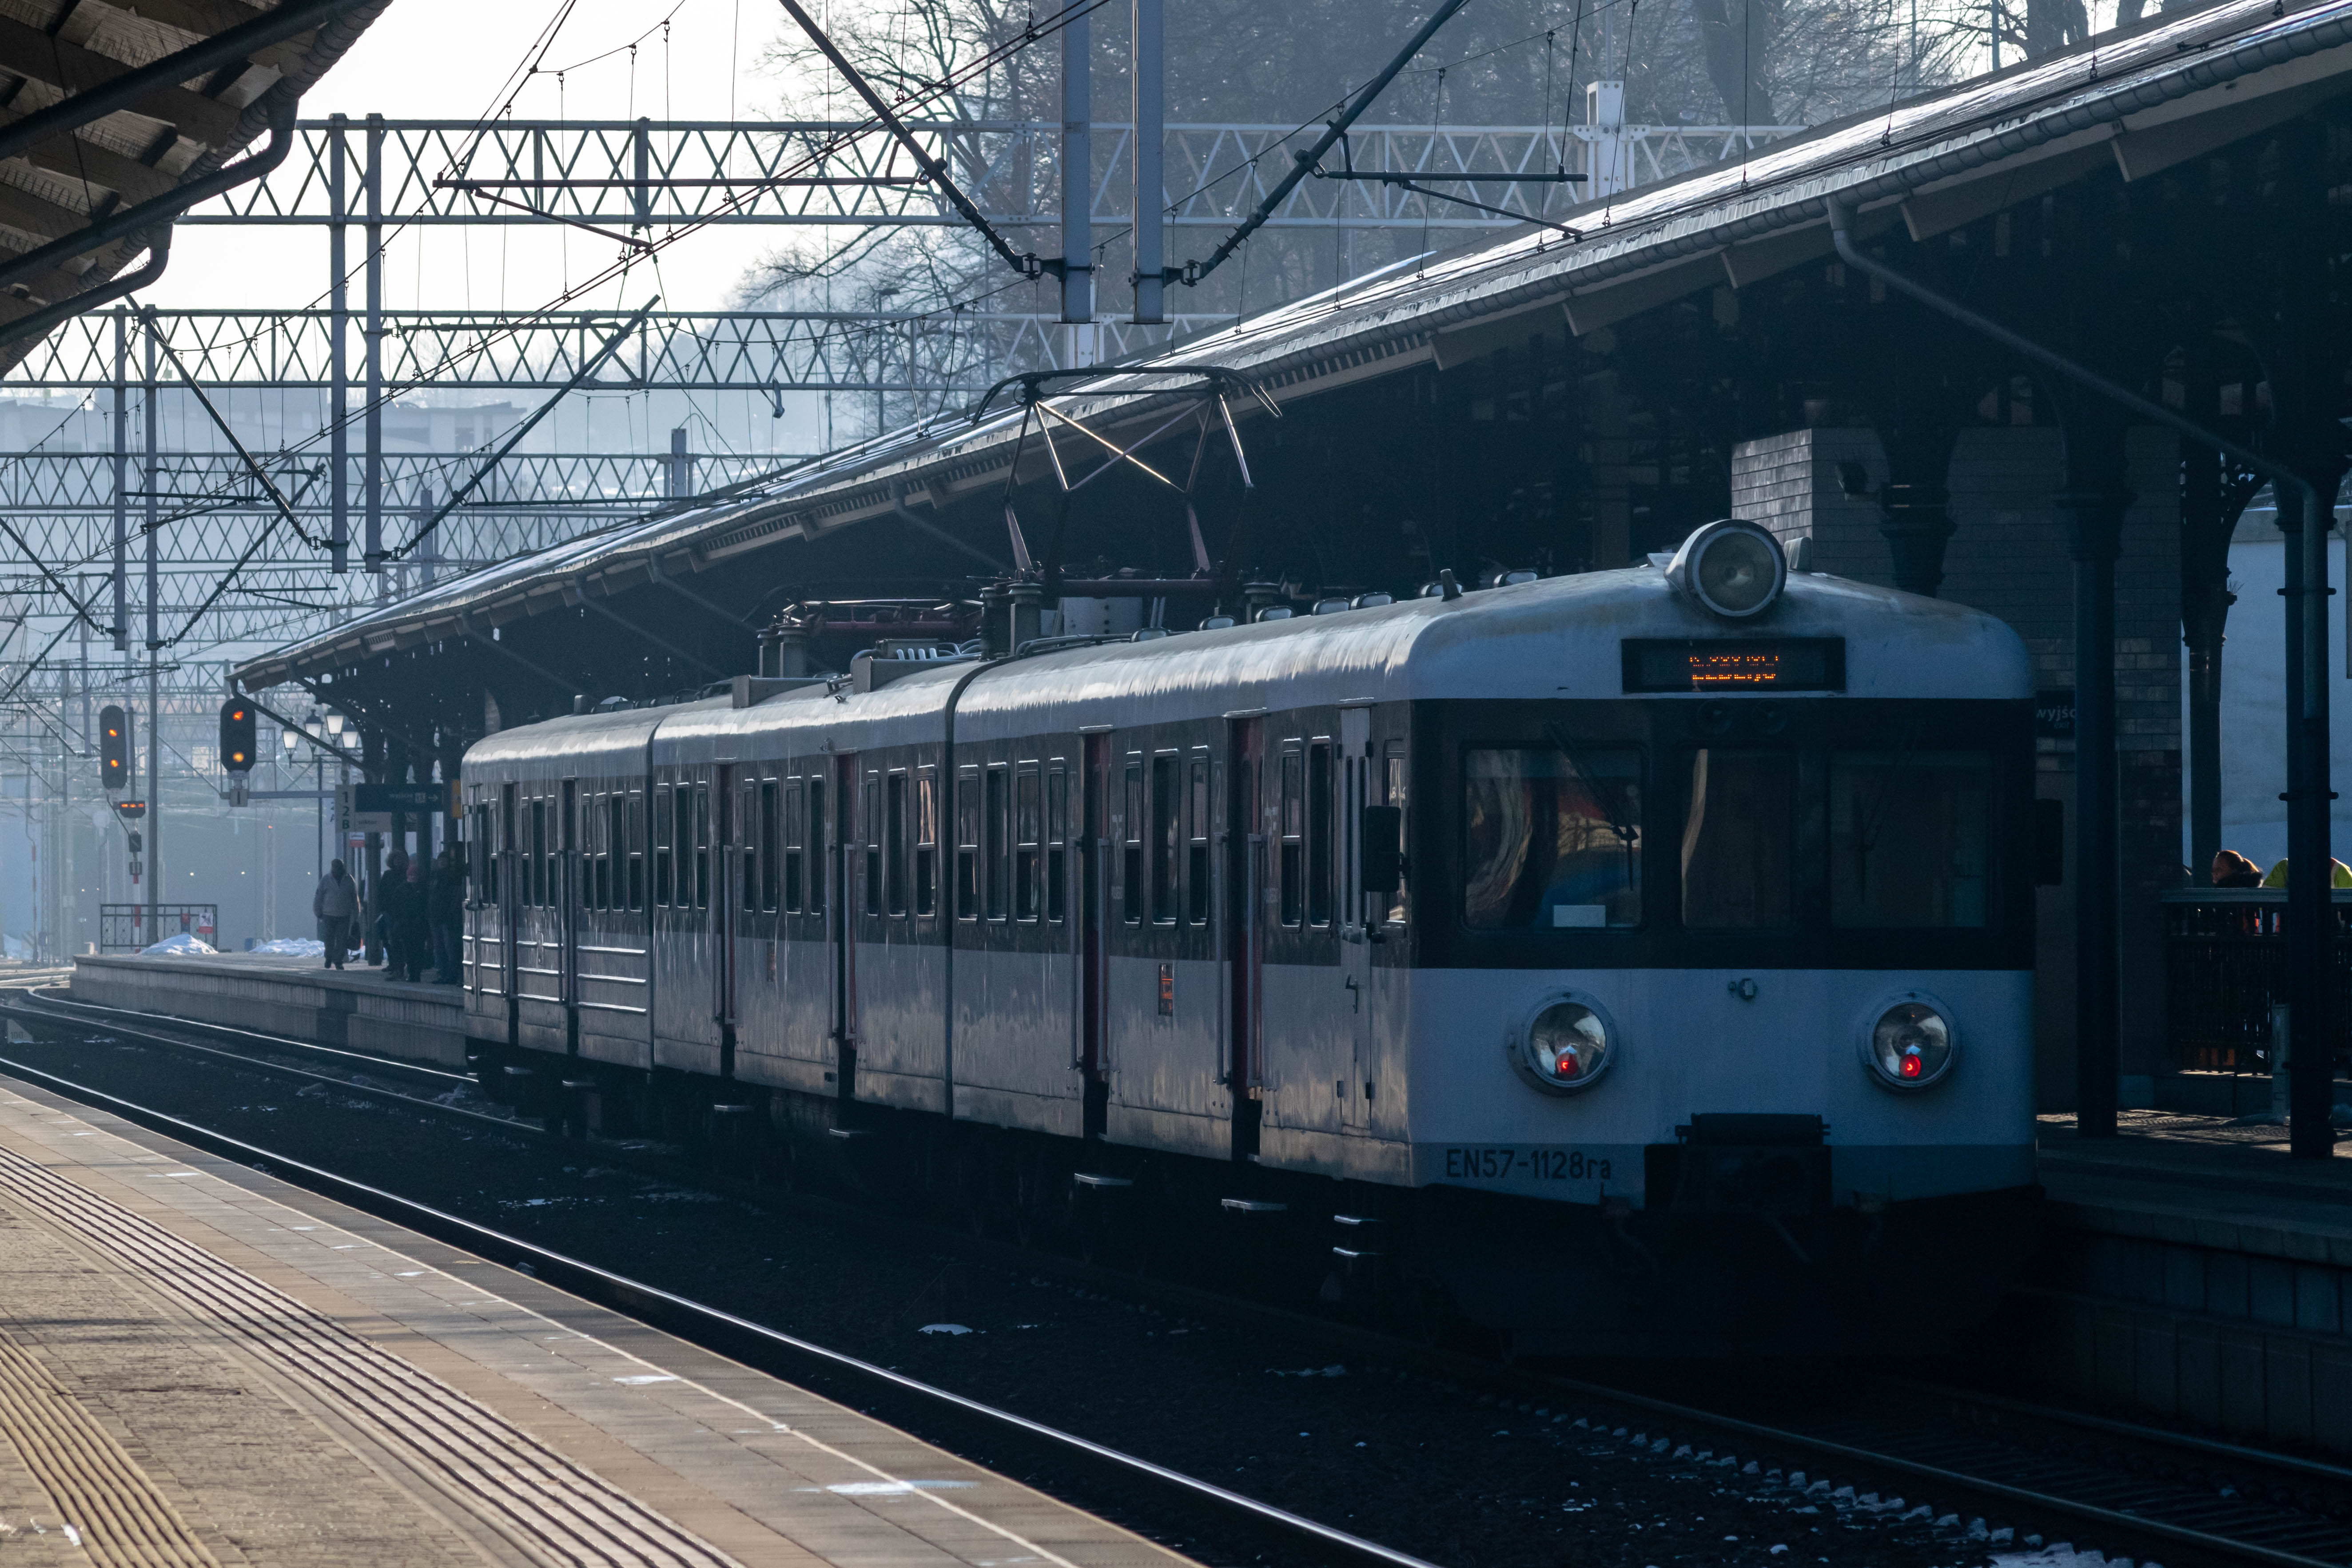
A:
<point x="1557" y="637"/>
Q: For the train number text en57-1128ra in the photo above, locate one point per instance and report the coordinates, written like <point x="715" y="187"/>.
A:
<point x="1500" y="1164"/>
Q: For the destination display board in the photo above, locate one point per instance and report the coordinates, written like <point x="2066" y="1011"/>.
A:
<point x="1735" y="664"/>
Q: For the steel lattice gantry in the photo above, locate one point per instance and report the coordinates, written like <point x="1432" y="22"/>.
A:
<point x="646" y="174"/>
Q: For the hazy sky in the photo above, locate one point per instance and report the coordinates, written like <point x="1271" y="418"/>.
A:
<point x="459" y="60"/>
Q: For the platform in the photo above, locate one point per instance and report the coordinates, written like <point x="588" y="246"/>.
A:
<point x="356" y="1008"/>
<point x="199" y="1366"/>
<point x="2193" y="1270"/>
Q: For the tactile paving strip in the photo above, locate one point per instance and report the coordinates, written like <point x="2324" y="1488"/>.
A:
<point x="120" y="1519"/>
<point x="547" y="1507"/>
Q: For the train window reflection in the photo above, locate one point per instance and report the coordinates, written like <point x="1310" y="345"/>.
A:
<point x="926" y="841"/>
<point x="1130" y="834"/>
<point x="1292" y="825"/>
<point x="1165" y="826"/>
<point x="1551" y="841"/>
<point x="1738" y="849"/>
<point x="662" y="842"/>
<point x="633" y="821"/>
<point x="1907" y="838"/>
<point x="967" y="809"/>
<point x="1028" y="836"/>
<point x="795" y="854"/>
<point x="1196" y="839"/>
<point x="1057" y="834"/>
<point x="894" y="850"/>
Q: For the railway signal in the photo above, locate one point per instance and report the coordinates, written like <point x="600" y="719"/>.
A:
<point x="239" y="737"/>
<point x="114" y="747"/>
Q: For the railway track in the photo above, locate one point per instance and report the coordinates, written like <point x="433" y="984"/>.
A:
<point x="1962" y="1455"/>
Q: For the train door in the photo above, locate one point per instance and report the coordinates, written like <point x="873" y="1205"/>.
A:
<point x="1093" y="935"/>
<point x="567" y="917"/>
<point x="724" y="925"/>
<point x="1357" y="925"/>
<point x="840" y="830"/>
<point x="1244" y="935"/>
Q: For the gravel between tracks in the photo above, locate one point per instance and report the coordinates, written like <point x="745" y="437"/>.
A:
<point x="1446" y="1473"/>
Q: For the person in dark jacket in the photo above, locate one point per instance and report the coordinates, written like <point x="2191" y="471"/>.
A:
<point x="447" y="902"/>
<point x="395" y="906"/>
<point x="337" y="906"/>
<point x="410" y="924"/>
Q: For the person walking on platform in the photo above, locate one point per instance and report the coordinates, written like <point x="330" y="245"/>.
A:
<point x="337" y="906"/>
<point x="447" y="901"/>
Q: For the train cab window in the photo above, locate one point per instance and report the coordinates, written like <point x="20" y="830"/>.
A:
<point x="894" y="842"/>
<point x="926" y="841"/>
<point x="1321" y="802"/>
<point x="998" y="846"/>
<point x="1908" y="834"/>
<point x="794" y="842"/>
<point x="1393" y="793"/>
<point x="1196" y="842"/>
<point x="1028" y="844"/>
<point x="1550" y="841"/>
<point x="1739" y="841"/>
<point x="770" y="840"/>
<point x="633" y="817"/>
<point x="967" y="815"/>
<point x="1291" y="827"/>
<point x="1130" y="834"/>
<point x="663" y="854"/>
<point x="871" y="837"/>
<point x="1167" y="824"/>
<point x="1057" y="838"/>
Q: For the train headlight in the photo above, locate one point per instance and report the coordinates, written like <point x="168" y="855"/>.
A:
<point x="1733" y="567"/>
<point x="1566" y="1046"/>
<point x="1912" y="1044"/>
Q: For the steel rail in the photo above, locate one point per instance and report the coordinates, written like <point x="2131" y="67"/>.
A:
<point x="700" y="1323"/>
<point x="2118" y="1527"/>
<point x="65" y="1007"/>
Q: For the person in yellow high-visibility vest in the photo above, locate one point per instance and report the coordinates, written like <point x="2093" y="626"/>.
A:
<point x="2342" y="875"/>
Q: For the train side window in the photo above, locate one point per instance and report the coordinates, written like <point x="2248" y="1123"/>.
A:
<point x="821" y="847"/>
<point x="1167" y="822"/>
<point x="967" y="814"/>
<point x="1739" y="840"/>
<point x="998" y="845"/>
<point x="1393" y="793"/>
<point x="1196" y="843"/>
<point x="632" y="822"/>
<point x="507" y="843"/>
<point x="608" y="817"/>
<point x="663" y="853"/>
<point x="1130" y="833"/>
<point x="795" y="854"/>
<point x="702" y="845"/>
<point x="869" y="825"/>
<point x="768" y="846"/>
<point x="1321" y="802"/>
<point x="894" y="843"/>
<point x="1028" y="841"/>
<point x="1291" y="828"/>
<point x="1058" y="839"/>
<point x="539" y="853"/>
<point x="927" y="842"/>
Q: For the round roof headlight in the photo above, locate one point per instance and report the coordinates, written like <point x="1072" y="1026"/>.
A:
<point x="1912" y="1044"/>
<point x="1733" y="567"/>
<point x="1566" y="1046"/>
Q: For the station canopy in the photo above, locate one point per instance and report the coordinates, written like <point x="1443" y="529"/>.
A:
<point x="117" y="117"/>
<point x="2141" y="102"/>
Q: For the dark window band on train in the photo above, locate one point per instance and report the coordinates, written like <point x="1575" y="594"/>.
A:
<point x="1320" y="858"/>
<point x="1196" y="841"/>
<point x="820" y="845"/>
<point x="894" y="848"/>
<point x="770" y="843"/>
<point x="1293" y="829"/>
<point x="870" y="840"/>
<point x="1164" y="828"/>
<point x="795" y="854"/>
<point x="967" y="811"/>
<point x="663" y="851"/>
<point x="1131" y="840"/>
<point x="702" y="845"/>
<point x="998" y="853"/>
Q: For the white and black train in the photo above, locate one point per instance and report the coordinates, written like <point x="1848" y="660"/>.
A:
<point x="1638" y="961"/>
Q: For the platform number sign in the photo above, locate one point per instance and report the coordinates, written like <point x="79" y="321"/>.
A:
<point x="237" y="735"/>
<point x="114" y="747"/>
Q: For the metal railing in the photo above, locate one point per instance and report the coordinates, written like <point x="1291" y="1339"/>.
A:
<point x="2225" y="966"/>
<point x="126" y="928"/>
